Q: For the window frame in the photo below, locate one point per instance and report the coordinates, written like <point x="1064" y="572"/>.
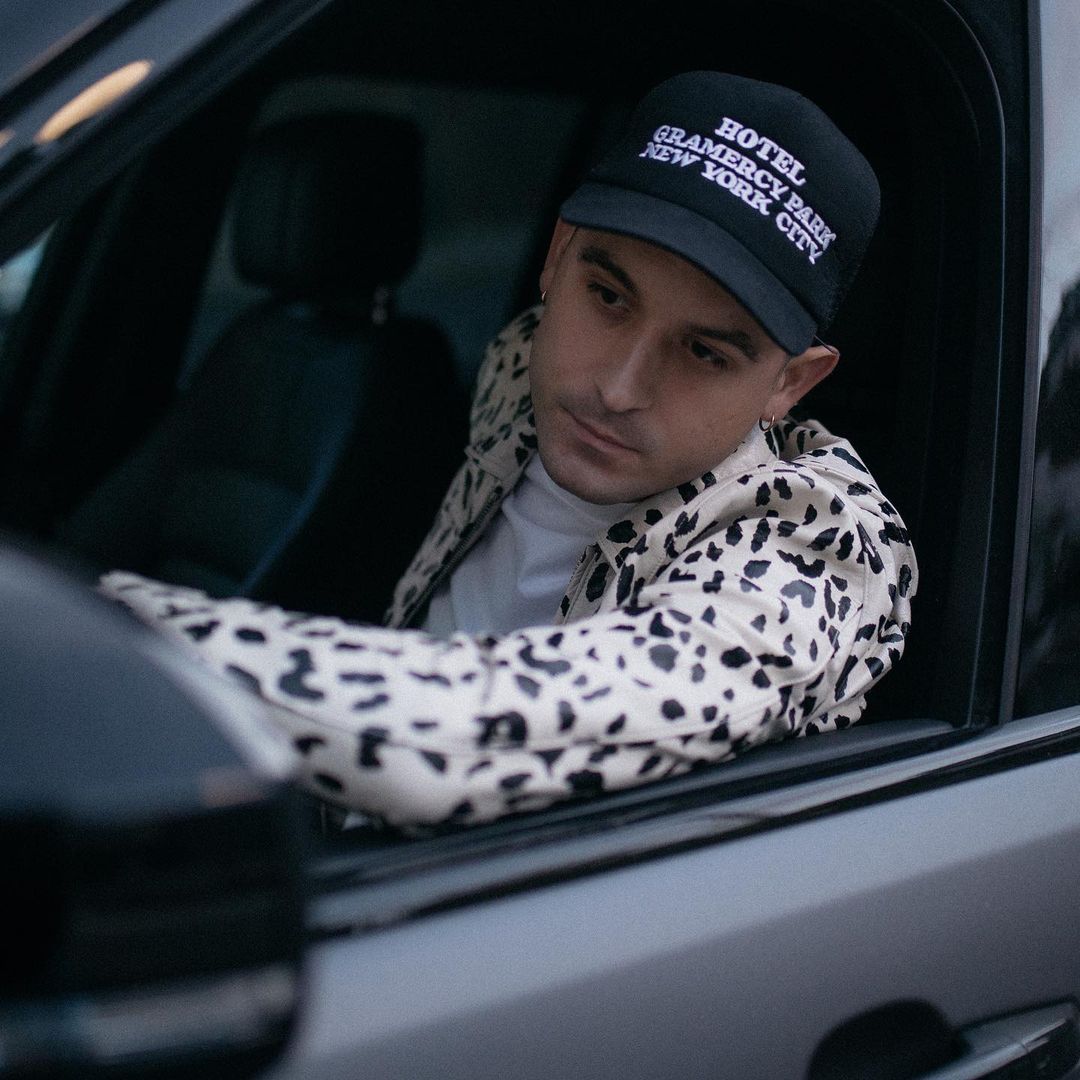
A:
<point x="383" y="882"/>
<point x="737" y="799"/>
<point x="1045" y="308"/>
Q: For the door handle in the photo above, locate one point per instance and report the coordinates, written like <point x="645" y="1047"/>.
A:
<point x="1042" y="1044"/>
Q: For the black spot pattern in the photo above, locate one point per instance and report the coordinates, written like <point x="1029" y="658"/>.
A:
<point x="366" y="677"/>
<point x="548" y="667"/>
<point x="663" y="656"/>
<point x="435" y="760"/>
<point x="430" y="677"/>
<point x="594" y="589"/>
<point x="810" y="570"/>
<point x="800" y="590"/>
<point x="505" y="729"/>
<point x="514" y="781"/>
<point x="373" y="702"/>
<point x="306" y="743"/>
<point x="735" y="658"/>
<point x="850" y="458"/>
<point x="585" y="782"/>
<point x="292" y="682"/>
<point x="528" y="686"/>
<point x="370" y="739"/>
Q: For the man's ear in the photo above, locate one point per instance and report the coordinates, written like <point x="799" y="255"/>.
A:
<point x="800" y="375"/>
<point x="560" y="238"/>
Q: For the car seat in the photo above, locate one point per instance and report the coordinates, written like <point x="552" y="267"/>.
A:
<point x="305" y="459"/>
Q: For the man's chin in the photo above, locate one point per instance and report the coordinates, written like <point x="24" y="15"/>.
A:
<point x="589" y="483"/>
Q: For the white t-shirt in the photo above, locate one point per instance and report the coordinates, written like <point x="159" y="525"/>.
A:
<point x="517" y="572"/>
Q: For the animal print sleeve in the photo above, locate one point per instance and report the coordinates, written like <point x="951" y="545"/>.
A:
<point x="785" y="640"/>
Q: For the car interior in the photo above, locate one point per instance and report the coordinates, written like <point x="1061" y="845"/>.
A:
<point x="243" y="362"/>
<point x="274" y="499"/>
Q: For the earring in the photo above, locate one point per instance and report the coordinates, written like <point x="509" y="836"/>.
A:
<point x="543" y="296"/>
<point x="766" y="427"/>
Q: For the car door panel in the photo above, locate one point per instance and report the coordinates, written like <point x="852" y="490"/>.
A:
<point x="733" y="960"/>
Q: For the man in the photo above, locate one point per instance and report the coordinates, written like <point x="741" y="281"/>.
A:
<point x="734" y="577"/>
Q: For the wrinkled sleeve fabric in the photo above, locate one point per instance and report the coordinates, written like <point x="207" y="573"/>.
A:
<point x="750" y="633"/>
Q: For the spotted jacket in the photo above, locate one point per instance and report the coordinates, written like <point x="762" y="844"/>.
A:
<point x="758" y="601"/>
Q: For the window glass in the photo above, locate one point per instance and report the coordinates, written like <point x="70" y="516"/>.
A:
<point x="15" y="278"/>
<point x="1050" y="672"/>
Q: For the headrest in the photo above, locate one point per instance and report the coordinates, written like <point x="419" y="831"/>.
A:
<point x="328" y="207"/>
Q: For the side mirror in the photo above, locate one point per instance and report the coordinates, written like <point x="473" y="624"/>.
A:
<point x="151" y="846"/>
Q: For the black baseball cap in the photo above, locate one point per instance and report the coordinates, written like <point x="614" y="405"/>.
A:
<point x="749" y="181"/>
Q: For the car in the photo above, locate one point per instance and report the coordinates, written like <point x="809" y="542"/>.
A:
<point x="250" y="253"/>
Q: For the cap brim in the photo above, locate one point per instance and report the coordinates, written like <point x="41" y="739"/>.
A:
<point x="706" y="245"/>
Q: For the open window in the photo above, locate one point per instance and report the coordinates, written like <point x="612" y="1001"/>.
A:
<point x="512" y="110"/>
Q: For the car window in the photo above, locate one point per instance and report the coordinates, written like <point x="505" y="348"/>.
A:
<point x="498" y="154"/>
<point x="1050" y="677"/>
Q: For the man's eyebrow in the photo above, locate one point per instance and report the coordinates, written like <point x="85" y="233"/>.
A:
<point x="741" y="341"/>
<point x="599" y="257"/>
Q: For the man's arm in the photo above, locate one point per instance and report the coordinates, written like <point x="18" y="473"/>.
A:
<point x="419" y="730"/>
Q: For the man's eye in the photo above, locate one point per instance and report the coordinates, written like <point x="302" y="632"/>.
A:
<point x="703" y="352"/>
<point x="608" y="297"/>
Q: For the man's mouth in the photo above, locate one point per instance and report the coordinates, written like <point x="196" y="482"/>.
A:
<point x="596" y="435"/>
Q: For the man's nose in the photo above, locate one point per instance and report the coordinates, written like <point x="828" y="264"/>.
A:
<point x="626" y="382"/>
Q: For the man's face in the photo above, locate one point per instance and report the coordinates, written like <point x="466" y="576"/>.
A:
<point x="645" y="372"/>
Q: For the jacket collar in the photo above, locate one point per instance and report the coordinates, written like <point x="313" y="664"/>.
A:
<point x="754" y="450"/>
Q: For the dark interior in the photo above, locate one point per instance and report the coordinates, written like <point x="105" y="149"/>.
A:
<point x="89" y="401"/>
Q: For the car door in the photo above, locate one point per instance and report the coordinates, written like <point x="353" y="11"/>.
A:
<point x="902" y="892"/>
<point x="910" y="917"/>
